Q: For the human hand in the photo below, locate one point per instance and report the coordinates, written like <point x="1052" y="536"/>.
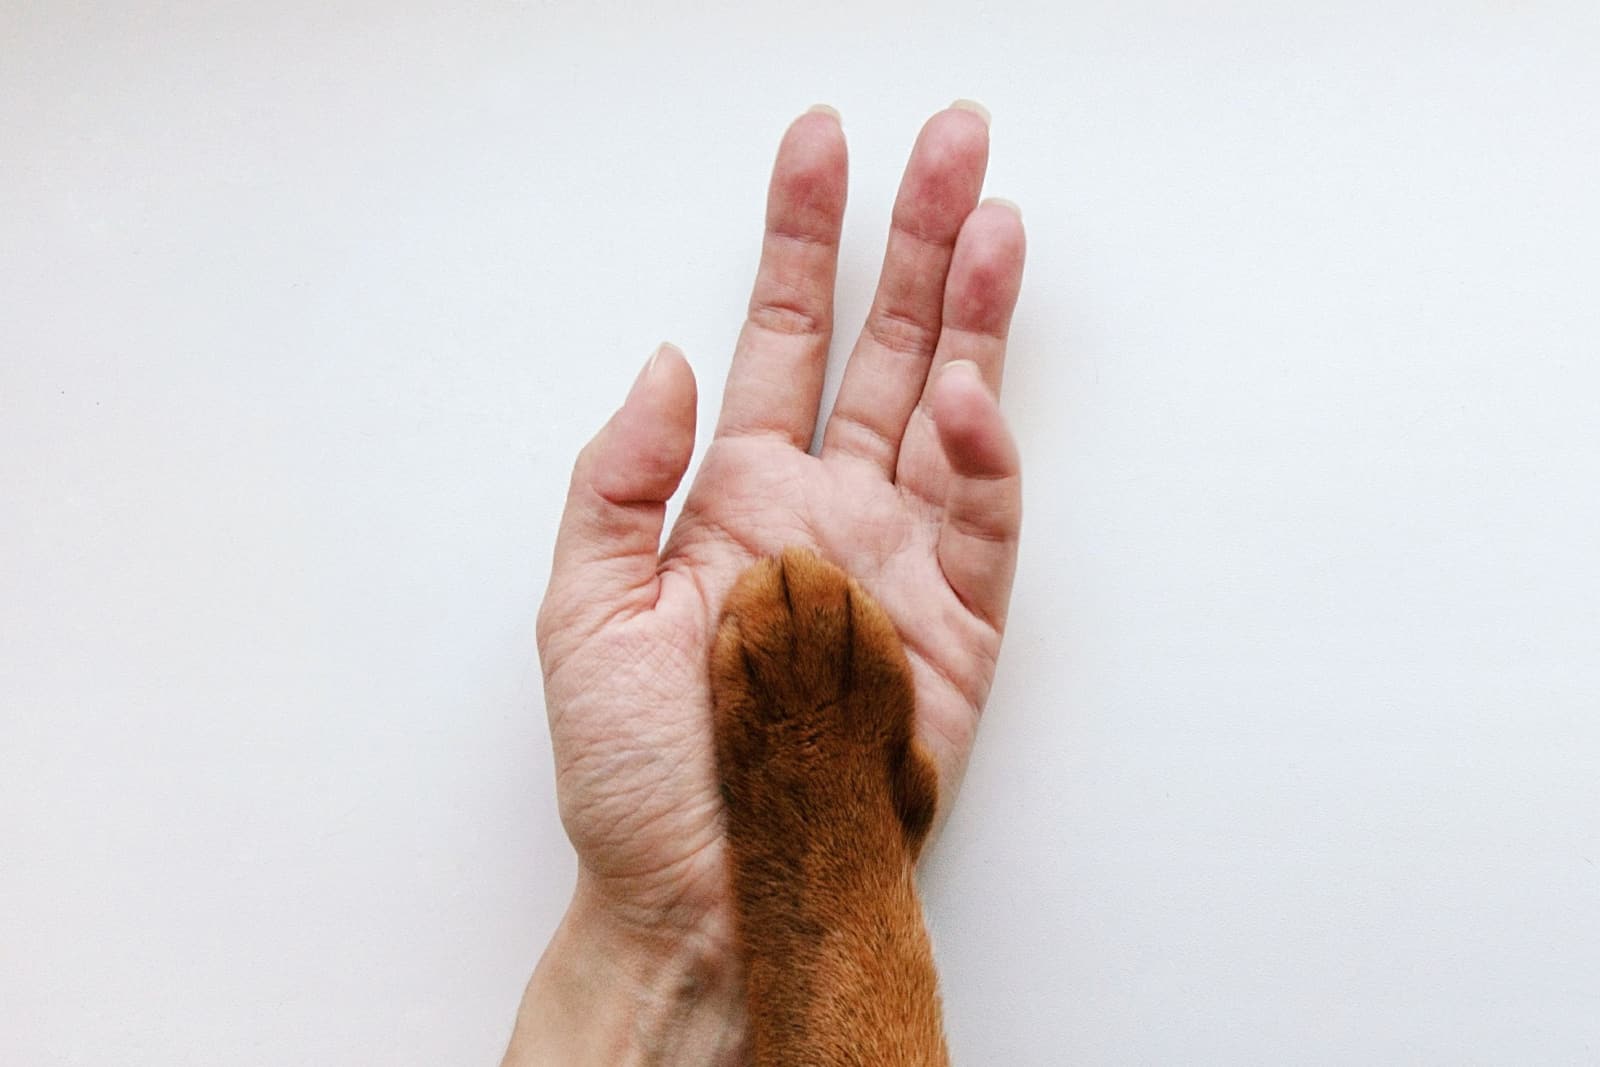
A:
<point x="915" y="491"/>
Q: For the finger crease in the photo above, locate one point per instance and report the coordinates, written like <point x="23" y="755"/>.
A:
<point x="887" y="447"/>
<point x="815" y="240"/>
<point x="918" y="493"/>
<point x="790" y="320"/>
<point x="970" y="528"/>
<point x="899" y="332"/>
<point x="791" y="438"/>
<point x="923" y="237"/>
<point x="1001" y="477"/>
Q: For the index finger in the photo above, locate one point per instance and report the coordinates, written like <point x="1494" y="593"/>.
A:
<point x="775" y="382"/>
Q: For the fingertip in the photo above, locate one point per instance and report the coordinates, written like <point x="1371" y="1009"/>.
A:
<point x="1000" y="221"/>
<point x="960" y="397"/>
<point x="670" y="377"/>
<point x="1001" y="202"/>
<point x="809" y="178"/>
<point x="972" y="430"/>
<point x="827" y="110"/>
<point x="964" y="122"/>
<point x="986" y="272"/>
<point x="944" y="175"/>
<point x="645" y="449"/>
<point x="974" y="108"/>
<point x="818" y="123"/>
<point x="664" y="394"/>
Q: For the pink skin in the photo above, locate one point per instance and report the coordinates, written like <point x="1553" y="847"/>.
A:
<point x="915" y="492"/>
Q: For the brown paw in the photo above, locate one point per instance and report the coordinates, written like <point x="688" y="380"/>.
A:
<point x="814" y="707"/>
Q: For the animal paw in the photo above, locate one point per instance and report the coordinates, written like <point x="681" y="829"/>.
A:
<point x="814" y="710"/>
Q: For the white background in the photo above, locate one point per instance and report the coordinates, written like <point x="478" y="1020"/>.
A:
<point x="305" y="308"/>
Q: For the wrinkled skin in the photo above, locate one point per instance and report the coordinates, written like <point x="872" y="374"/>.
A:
<point x="914" y="491"/>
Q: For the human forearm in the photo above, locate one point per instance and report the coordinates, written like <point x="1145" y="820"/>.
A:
<point x="605" y="996"/>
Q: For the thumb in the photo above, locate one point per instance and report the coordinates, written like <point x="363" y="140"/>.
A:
<point x="610" y="537"/>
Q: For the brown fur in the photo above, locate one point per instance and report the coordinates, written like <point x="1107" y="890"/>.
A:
<point x="829" y="799"/>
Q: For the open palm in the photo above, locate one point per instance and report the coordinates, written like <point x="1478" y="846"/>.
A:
<point x="914" y="491"/>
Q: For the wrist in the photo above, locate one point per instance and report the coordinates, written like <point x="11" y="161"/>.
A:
<point x="608" y="993"/>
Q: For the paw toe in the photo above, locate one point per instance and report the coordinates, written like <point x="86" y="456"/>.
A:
<point x="787" y="627"/>
<point x="806" y="663"/>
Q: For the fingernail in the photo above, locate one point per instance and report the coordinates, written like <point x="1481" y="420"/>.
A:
<point x="1009" y="205"/>
<point x="974" y="107"/>
<point x="825" y="109"/>
<point x="962" y="366"/>
<point x="650" y="364"/>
